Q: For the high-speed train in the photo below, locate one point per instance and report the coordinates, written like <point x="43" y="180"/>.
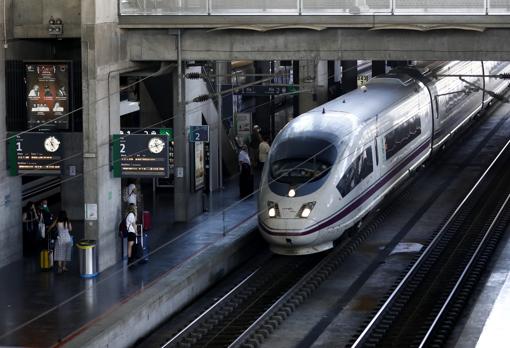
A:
<point x="329" y="167"/>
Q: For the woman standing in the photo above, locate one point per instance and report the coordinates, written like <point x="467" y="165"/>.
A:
<point x="131" y="228"/>
<point x="64" y="244"/>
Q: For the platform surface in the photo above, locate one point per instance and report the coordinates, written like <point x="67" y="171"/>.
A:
<point x="44" y="308"/>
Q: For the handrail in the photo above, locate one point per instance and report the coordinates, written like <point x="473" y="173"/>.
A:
<point x="307" y="7"/>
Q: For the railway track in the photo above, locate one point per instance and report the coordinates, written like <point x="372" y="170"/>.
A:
<point x="423" y="308"/>
<point x="251" y="311"/>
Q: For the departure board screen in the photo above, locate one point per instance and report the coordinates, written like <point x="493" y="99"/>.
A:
<point x="47" y="88"/>
<point x="140" y="155"/>
<point x="36" y="154"/>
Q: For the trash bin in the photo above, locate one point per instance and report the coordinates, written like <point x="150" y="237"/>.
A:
<point x="88" y="258"/>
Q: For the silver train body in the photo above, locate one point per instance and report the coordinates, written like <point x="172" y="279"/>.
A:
<point x="330" y="166"/>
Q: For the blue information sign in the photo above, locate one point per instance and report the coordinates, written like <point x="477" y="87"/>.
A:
<point x="198" y="133"/>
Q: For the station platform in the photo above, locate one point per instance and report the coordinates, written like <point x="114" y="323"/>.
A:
<point x="124" y="303"/>
<point x="488" y="321"/>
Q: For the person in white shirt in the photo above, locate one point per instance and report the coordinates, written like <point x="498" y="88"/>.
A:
<point x="131" y="228"/>
<point x="263" y="151"/>
<point x="131" y="194"/>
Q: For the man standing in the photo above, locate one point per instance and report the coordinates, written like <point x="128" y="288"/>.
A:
<point x="263" y="151"/>
<point x="254" y="145"/>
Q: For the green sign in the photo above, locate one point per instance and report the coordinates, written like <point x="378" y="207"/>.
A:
<point x="35" y="154"/>
<point x="140" y="155"/>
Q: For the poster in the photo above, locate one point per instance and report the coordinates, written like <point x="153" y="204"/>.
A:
<point x="199" y="165"/>
<point x="47" y="88"/>
<point x="243" y="126"/>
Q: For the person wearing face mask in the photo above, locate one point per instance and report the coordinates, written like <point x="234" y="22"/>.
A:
<point x="46" y="216"/>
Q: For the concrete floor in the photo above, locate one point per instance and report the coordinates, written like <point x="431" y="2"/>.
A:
<point x="42" y="308"/>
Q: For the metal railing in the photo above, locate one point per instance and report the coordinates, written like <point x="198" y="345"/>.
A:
<point x="314" y="7"/>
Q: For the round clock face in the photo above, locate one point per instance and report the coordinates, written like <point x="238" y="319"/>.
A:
<point x="156" y="145"/>
<point x="51" y="144"/>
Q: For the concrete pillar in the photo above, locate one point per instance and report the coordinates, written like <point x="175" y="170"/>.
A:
<point x="10" y="187"/>
<point x="102" y="59"/>
<point x="262" y="114"/>
<point x="295" y="80"/>
<point x="321" y="81"/>
<point x="71" y="190"/>
<point x="349" y="75"/>
<point x="313" y="77"/>
<point x="188" y="200"/>
<point x="378" y="67"/>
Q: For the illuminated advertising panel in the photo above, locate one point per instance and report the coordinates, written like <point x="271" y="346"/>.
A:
<point x="47" y="88"/>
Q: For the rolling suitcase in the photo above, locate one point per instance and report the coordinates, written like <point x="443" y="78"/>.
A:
<point x="146" y="220"/>
<point x="142" y="245"/>
<point x="46" y="260"/>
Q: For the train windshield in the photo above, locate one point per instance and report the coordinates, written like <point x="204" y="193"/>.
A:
<point x="298" y="170"/>
<point x="298" y="161"/>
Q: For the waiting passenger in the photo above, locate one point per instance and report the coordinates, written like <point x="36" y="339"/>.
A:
<point x="30" y="229"/>
<point x="255" y="140"/>
<point x="131" y="228"/>
<point x="64" y="243"/>
<point x="245" y="176"/>
<point x="263" y="151"/>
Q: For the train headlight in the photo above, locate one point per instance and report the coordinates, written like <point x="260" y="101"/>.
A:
<point x="272" y="209"/>
<point x="292" y="193"/>
<point x="306" y="210"/>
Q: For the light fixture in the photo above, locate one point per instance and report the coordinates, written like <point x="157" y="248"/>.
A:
<point x="292" y="193"/>
<point x="306" y="210"/>
<point x="273" y="210"/>
<point x="55" y="26"/>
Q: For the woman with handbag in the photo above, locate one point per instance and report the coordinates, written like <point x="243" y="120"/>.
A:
<point x="64" y="243"/>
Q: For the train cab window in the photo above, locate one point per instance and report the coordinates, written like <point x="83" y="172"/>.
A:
<point x="300" y="161"/>
<point x="402" y="135"/>
<point x="360" y="168"/>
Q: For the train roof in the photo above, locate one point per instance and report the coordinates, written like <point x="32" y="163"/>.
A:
<point x="377" y="95"/>
<point x="340" y="117"/>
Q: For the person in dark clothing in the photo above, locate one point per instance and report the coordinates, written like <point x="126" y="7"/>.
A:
<point x="30" y="229"/>
<point x="255" y="140"/>
<point x="245" y="176"/>
<point x="47" y="217"/>
<point x="46" y="214"/>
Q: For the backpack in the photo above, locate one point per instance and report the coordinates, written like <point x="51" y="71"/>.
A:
<point x="123" y="230"/>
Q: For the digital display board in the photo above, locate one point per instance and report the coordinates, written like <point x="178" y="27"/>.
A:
<point x="36" y="154"/>
<point x="47" y="91"/>
<point x="140" y="155"/>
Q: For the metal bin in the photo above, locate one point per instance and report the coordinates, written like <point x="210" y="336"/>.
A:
<point x="88" y="258"/>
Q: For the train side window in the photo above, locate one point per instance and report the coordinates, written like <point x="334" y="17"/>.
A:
<point x="360" y="168"/>
<point x="402" y="135"/>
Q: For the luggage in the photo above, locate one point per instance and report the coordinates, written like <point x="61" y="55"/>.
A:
<point x="142" y="245"/>
<point x="46" y="260"/>
<point x="146" y="220"/>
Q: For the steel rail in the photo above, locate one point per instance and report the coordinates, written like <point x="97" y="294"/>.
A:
<point x="216" y="304"/>
<point x="464" y="274"/>
<point x="366" y="333"/>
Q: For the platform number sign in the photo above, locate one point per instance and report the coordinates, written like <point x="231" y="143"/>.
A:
<point x="140" y="155"/>
<point x="198" y="133"/>
<point x="35" y="154"/>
